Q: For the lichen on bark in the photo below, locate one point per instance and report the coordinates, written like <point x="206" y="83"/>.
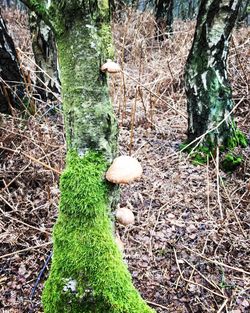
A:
<point x="89" y="117"/>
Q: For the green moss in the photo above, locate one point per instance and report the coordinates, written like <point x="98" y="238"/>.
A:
<point x="231" y="161"/>
<point x="206" y="149"/>
<point x="107" y="41"/>
<point x="84" y="247"/>
<point x="239" y="139"/>
<point x="38" y="7"/>
<point x="199" y="155"/>
<point x="82" y="201"/>
<point x="89" y="116"/>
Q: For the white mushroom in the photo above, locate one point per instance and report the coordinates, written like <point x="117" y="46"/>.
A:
<point x="125" y="216"/>
<point x="124" y="170"/>
<point x="110" y="67"/>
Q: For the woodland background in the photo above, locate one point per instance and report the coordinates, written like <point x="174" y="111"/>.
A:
<point x="189" y="248"/>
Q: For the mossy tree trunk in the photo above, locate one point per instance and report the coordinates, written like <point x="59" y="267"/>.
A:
<point x="209" y="95"/>
<point x="88" y="273"/>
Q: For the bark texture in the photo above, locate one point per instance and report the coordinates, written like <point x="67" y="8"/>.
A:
<point x="164" y="17"/>
<point x="45" y="53"/>
<point x="209" y="96"/>
<point x="12" y="88"/>
<point x="87" y="273"/>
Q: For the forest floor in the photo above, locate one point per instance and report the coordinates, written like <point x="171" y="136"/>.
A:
<point x="189" y="249"/>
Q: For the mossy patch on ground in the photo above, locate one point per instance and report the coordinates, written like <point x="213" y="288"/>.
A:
<point x="205" y="150"/>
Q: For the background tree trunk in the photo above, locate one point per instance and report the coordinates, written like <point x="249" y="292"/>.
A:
<point x="12" y="88"/>
<point x="186" y="9"/>
<point x="164" y="17"/>
<point x="244" y="11"/>
<point x="45" y="53"/>
<point x="12" y="4"/>
<point x="88" y="273"/>
<point x="209" y="96"/>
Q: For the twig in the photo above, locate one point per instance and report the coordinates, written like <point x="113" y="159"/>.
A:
<point x="193" y="282"/>
<point x="32" y="159"/>
<point x="40" y="275"/>
<point x="132" y="123"/>
<point x="41" y="163"/>
<point x="35" y="142"/>
<point x="222" y="306"/>
<point x="155" y="94"/>
<point x="208" y="188"/>
<point x="203" y="276"/>
<point x="157" y="304"/>
<point x="45" y="73"/>
<point x="240" y="64"/>
<point x="230" y="202"/>
<point x="26" y="249"/>
<point x="20" y="173"/>
<point x="237" y="269"/>
<point x="218" y="182"/>
<point x="17" y="220"/>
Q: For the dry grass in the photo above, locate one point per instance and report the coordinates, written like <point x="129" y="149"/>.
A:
<point x="189" y="248"/>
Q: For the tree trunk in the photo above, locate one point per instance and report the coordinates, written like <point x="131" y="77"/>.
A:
<point x="88" y="273"/>
<point x="243" y="11"/>
<point x="209" y="96"/>
<point x="164" y="17"/>
<point x="45" y="53"/>
<point x="12" y="88"/>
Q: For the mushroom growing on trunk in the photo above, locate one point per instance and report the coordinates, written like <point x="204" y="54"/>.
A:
<point x="124" y="170"/>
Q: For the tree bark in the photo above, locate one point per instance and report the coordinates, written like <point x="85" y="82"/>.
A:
<point x="243" y="11"/>
<point x="186" y="9"/>
<point x="209" y="95"/>
<point x="12" y="88"/>
<point x="87" y="273"/>
<point x="45" y="53"/>
<point x="164" y="17"/>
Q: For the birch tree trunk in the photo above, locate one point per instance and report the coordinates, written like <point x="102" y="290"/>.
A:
<point x="209" y="95"/>
<point x="88" y="273"/>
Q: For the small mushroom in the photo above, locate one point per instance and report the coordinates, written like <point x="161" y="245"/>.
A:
<point x="110" y="67"/>
<point x="124" y="170"/>
<point x="119" y="243"/>
<point x="125" y="216"/>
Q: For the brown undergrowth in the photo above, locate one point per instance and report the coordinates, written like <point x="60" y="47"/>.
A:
<point x="189" y="248"/>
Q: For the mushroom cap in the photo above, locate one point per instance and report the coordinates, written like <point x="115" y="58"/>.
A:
<point x="110" y="67"/>
<point x="119" y="243"/>
<point x="124" y="170"/>
<point x="125" y="216"/>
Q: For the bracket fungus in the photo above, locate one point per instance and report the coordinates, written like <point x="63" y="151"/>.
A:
<point x="110" y="67"/>
<point x="124" y="170"/>
<point x="125" y="216"/>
